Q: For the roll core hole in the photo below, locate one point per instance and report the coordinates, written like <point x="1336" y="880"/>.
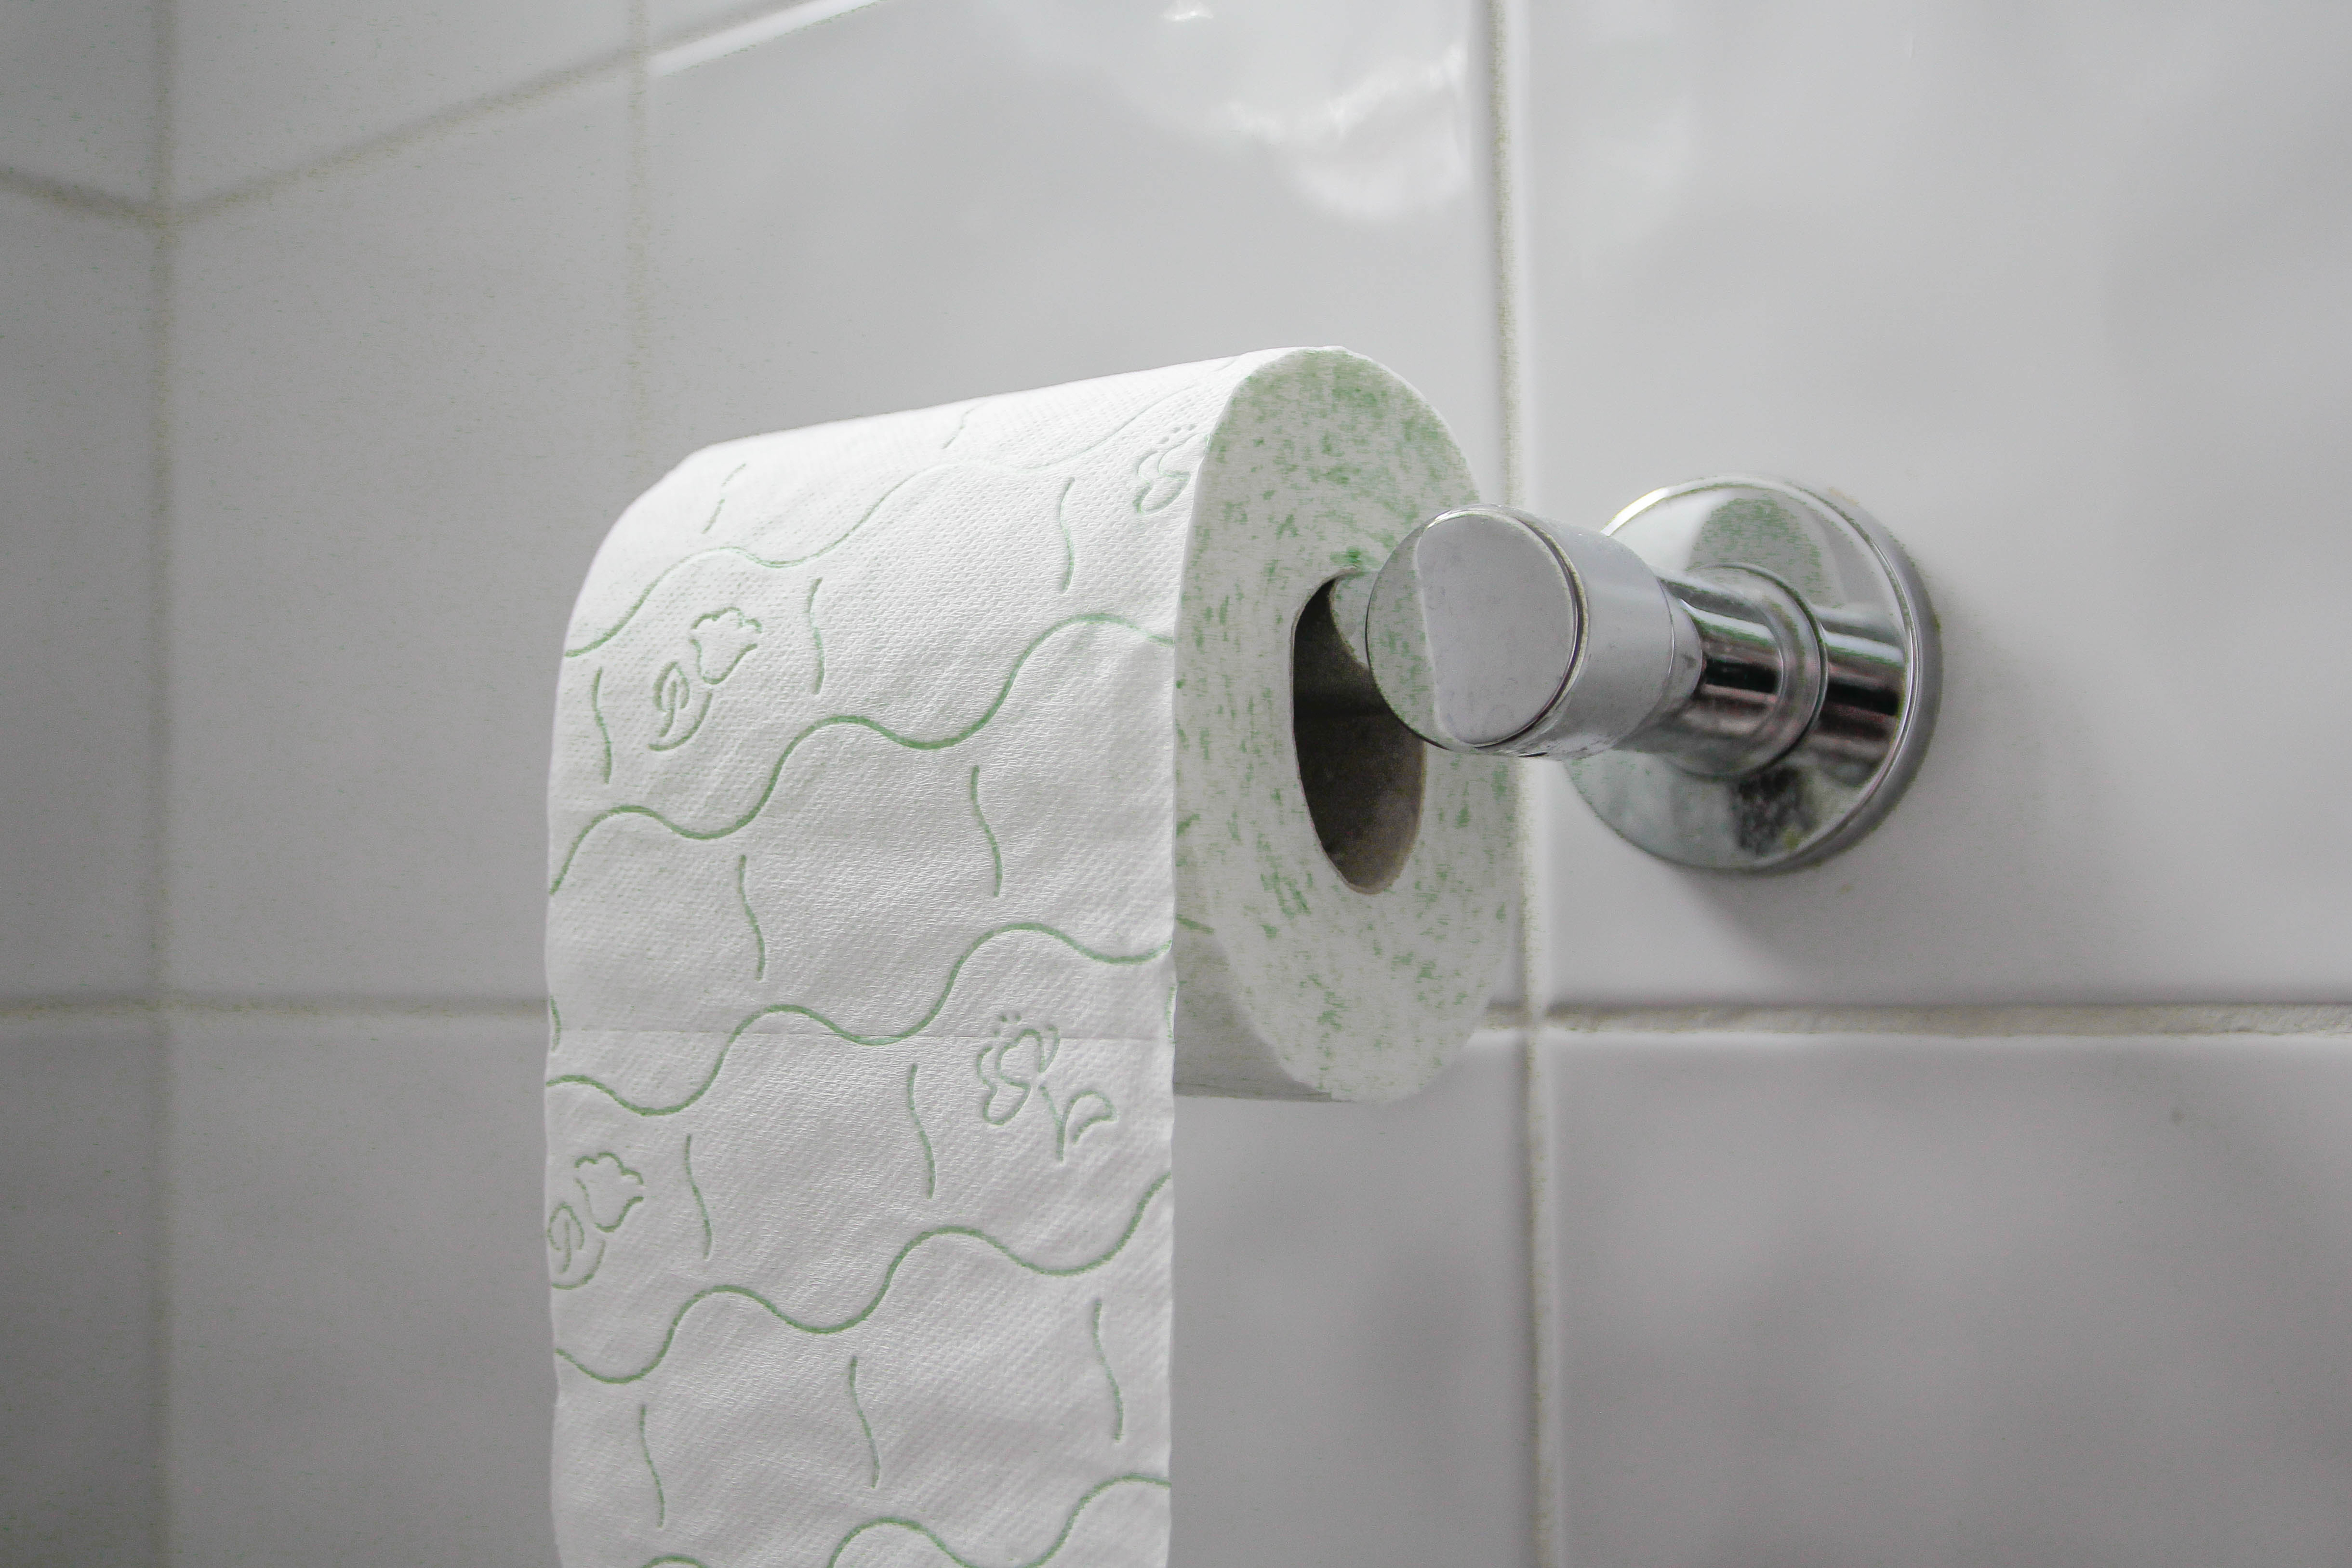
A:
<point x="1360" y="767"/>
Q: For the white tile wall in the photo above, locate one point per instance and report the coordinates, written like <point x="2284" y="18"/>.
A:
<point x="2057" y="295"/>
<point x="81" y="1227"/>
<point x="359" y="1323"/>
<point x="1352" y="1332"/>
<point x="926" y="200"/>
<point x="80" y="93"/>
<point x="400" y="430"/>
<point x="359" y="1369"/>
<point x="77" y="600"/>
<point x="458" y="389"/>
<point x="262" y="87"/>
<point x="1922" y="1303"/>
<point x="1111" y="218"/>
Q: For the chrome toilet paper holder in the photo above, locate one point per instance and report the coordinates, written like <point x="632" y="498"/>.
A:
<point x="1740" y="673"/>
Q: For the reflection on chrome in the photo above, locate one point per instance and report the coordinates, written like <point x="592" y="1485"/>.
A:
<point x="1741" y="674"/>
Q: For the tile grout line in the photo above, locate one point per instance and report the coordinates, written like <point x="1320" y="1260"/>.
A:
<point x="1501" y="27"/>
<point x="2002" y="1020"/>
<point x="635" y="56"/>
<point x="1992" y="1020"/>
<point x="1531" y="1019"/>
<point x="1664" y="1024"/>
<point x="164" y="217"/>
<point x="415" y="133"/>
<point x="163" y="318"/>
<point x="1504" y="32"/>
<point x="637" y="262"/>
<point x="74" y="197"/>
<point x="127" y="1012"/>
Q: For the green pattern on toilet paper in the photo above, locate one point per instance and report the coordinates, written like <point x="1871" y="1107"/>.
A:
<point x="906" y="771"/>
<point x="1321" y="463"/>
<point x="881" y="1291"/>
<point x="858" y="721"/>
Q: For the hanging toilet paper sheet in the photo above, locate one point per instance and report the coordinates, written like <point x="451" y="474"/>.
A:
<point x="926" y="810"/>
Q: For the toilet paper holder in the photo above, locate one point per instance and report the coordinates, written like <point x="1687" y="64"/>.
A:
<point x="1740" y="673"/>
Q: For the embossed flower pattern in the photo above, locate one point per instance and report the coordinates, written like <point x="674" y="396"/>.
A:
<point x="718" y="643"/>
<point x="1013" y="1068"/>
<point x="604" y="1191"/>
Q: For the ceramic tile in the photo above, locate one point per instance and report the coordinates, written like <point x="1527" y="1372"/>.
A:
<point x="79" y="1224"/>
<point x="261" y="86"/>
<point x="914" y="202"/>
<point x="1918" y="1304"/>
<point x="2057" y="296"/>
<point x="918" y="201"/>
<point x="77" y="601"/>
<point x="400" y="430"/>
<point x="80" y="91"/>
<point x="359" y="1369"/>
<point x="1352" y="1343"/>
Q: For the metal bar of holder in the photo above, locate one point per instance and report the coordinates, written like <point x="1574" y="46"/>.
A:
<point x="1741" y="674"/>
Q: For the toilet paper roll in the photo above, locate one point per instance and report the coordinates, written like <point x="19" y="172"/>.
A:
<point x="928" y="805"/>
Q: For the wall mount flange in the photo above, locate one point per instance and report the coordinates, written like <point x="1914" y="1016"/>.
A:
<point x="1881" y="681"/>
<point x="1741" y="674"/>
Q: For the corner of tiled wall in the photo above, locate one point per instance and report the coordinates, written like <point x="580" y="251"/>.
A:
<point x="405" y="363"/>
<point x="442" y="306"/>
<point x="433" y="293"/>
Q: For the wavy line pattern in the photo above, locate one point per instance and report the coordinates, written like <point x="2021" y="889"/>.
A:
<point x="961" y="420"/>
<point x="1117" y="1400"/>
<point x="953" y="1555"/>
<point x="995" y="855"/>
<point x="940" y="743"/>
<point x="722" y="499"/>
<point x="596" y="711"/>
<point x="881" y="1291"/>
<point x="1062" y="521"/>
<point x="873" y="1454"/>
<point x="780" y="563"/>
<point x="816" y="635"/>
<point x="661" y="1499"/>
<point x="759" y="937"/>
<point x="735" y="790"/>
<point x="930" y="1162"/>
<point x="797" y="1009"/>
<point x="700" y="1208"/>
<point x="1069" y="1524"/>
